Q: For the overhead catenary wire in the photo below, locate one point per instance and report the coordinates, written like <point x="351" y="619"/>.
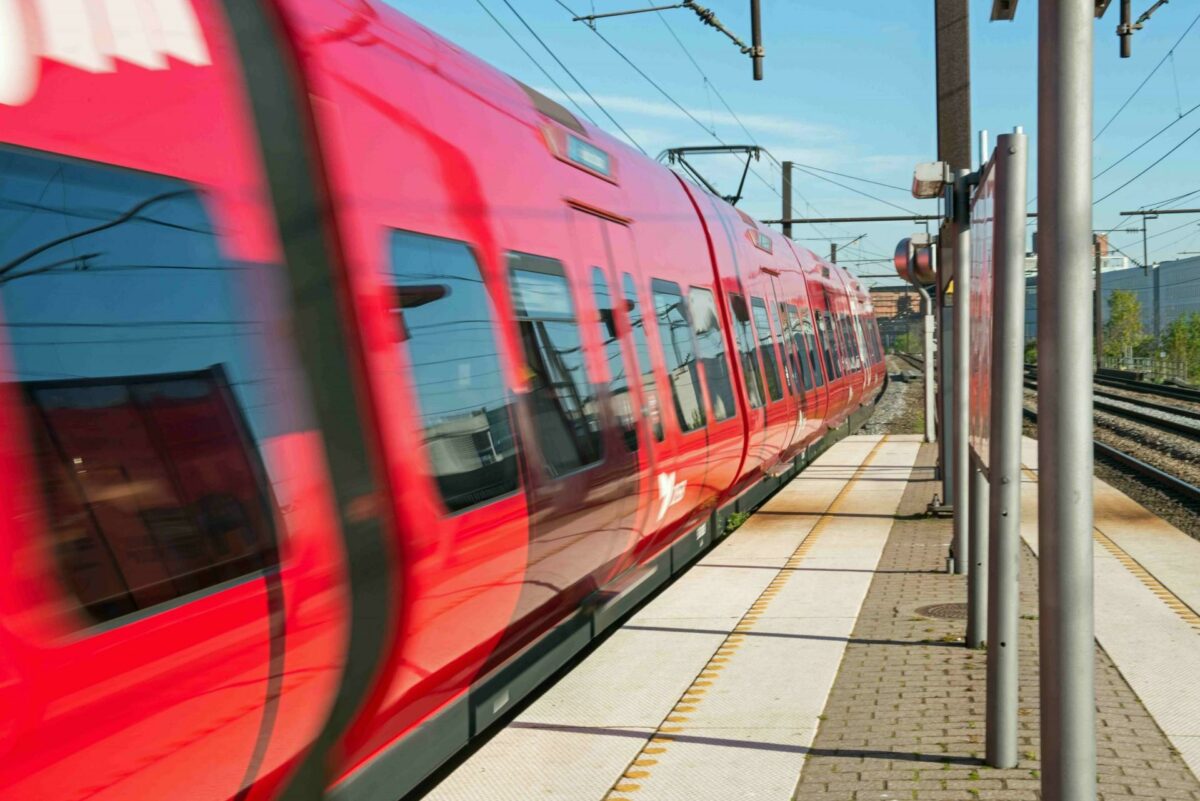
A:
<point x="1146" y="80"/>
<point x="577" y="82"/>
<point x="536" y="63"/>
<point x="1152" y="165"/>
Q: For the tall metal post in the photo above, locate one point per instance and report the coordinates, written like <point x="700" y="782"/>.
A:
<point x="787" y="199"/>
<point x="927" y="354"/>
<point x="1067" y="628"/>
<point x="977" y="575"/>
<point x="1157" y="305"/>
<point x="961" y="376"/>
<point x="1004" y="456"/>
<point x="833" y="252"/>
<point x="1098" y="308"/>
<point x="756" y="39"/>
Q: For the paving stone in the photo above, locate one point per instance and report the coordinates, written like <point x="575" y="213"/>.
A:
<point x="906" y="712"/>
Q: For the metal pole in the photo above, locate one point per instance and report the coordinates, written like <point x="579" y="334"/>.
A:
<point x="1097" y="308"/>
<point x="977" y="576"/>
<point x="1145" y="250"/>
<point x="927" y="353"/>
<point x="833" y="252"/>
<point x="1004" y="456"/>
<point x="787" y="199"/>
<point x="962" y="370"/>
<point x="1157" y="306"/>
<point x="756" y="44"/>
<point x="1067" y="628"/>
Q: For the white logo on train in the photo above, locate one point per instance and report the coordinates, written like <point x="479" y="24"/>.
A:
<point x="669" y="493"/>
<point x="92" y="35"/>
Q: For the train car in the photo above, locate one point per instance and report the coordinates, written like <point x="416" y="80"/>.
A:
<point x="350" y="387"/>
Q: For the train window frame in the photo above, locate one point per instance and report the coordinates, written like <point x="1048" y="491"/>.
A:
<point x="601" y="286"/>
<point x="757" y="303"/>
<point x="536" y="264"/>
<point x="394" y="274"/>
<point x="708" y="298"/>
<point x="743" y="333"/>
<point x="660" y="286"/>
<point x="651" y="405"/>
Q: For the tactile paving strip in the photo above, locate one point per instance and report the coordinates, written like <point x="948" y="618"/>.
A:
<point x="675" y="721"/>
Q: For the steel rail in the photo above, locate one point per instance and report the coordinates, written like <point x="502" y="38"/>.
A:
<point x="1173" y="426"/>
<point x="1171" y="483"/>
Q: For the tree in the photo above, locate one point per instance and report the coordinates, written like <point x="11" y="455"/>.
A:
<point x="1181" y="342"/>
<point x="1123" y="332"/>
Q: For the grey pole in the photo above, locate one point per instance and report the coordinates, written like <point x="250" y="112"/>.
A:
<point x="927" y="353"/>
<point x="1004" y="459"/>
<point x="1067" y="628"/>
<point x="787" y="198"/>
<point x="977" y="576"/>
<point x="1097" y="309"/>
<point x="962" y="370"/>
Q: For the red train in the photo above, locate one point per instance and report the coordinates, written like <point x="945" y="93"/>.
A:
<point x="350" y="387"/>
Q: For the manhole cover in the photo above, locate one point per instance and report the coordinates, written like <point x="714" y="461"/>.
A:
<point x="944" y="611"/>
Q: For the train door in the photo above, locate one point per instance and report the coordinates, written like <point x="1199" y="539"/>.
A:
<point x="792" y="377"/>
<point x="602" y="247"/>
<point x="778" y="410"/>
<point x="822" y="308"/>
<point x="816" y="400"/>
<point x="583" y="475"/>
<point x="753" y="378"/>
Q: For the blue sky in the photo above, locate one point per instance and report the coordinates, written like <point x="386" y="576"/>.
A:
<point x="849" y="86"/>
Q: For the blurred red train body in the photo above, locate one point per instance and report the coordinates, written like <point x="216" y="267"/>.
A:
<point x="349" y="388"/>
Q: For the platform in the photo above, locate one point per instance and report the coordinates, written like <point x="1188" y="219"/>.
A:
<point x="800" y="658"/>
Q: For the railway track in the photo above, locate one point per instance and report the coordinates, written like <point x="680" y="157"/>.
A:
<point x="1183" y="490"/>
<point x="1155" y="415"/>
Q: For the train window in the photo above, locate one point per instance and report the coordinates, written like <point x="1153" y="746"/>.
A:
<point x="797" y="337"/>
<point x="785" y="352"/>
<point x="642" y="346"/>
<point x="766" y="347"/>
<point x="679" y="349"/>
<point x="829" y="345"/>
<point x="618" y="382"/>
<point x="854" y="353"/>
<point x="712" y="352"/>
<point x="151" y="366"/>
<point x="749" y="355"/>
<point x="449" y="331"/>
<point x="811" y="348"/>
<point x="566" y="422"/>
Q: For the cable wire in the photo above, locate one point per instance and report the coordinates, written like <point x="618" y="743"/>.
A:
<point x="1145" y="80"/>
<point x="1152" y="165"/>
<point x="536" y="63"/>
<point x="565" y="69"/>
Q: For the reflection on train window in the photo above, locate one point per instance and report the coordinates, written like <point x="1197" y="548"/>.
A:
<point x="766" y="348"/>
<point x="797" y="340"/>
<point x="618" y="382"/>
<point x="828" y="344"/>
<point x="445" y="316"/>
<point x="679" y="349"/>
<point x="712" y="352"/>
<point x="642" y="346"/>
<point x="785" y="351"/>
<point x="153" y="479"/>
<point x="746" y="349"/>
<point x="811" y="348"/>
<point x="566" y="419"/>
<point x="152" y="369"/>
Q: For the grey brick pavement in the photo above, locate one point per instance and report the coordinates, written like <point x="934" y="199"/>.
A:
<point x="905" y="717"/>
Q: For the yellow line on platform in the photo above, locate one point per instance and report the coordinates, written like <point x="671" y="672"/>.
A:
<point x="622" y="789"/>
